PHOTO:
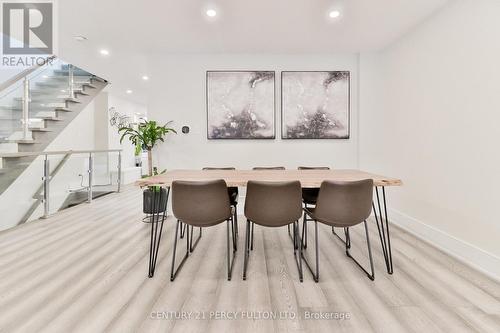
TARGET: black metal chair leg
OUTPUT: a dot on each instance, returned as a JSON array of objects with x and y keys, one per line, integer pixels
[
  {"x": 371, "y": 275},
  {"x": 191, "y": 246},
  {"x": 347, "y": 238},
  {"x": 183, "y": 230},
  {"x": 236, "y": 219},
  {"x": 173, "y": 271},
  {"x": 315, "y": 275},
  {"x": 230, "y": 262},
  {"x": 251, "y": 244},
  {"x": 298, "y": 256},
  {"x": 342, "y": 240},
  {"x": 247, "y": 250},
  {"x": 234, "y": 234},
  {"x": 293, "y": 237},
  {"x": 304, "y": 231}
]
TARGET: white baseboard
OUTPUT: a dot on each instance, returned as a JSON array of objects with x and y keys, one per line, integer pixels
[{"x": 469, "y": 254}]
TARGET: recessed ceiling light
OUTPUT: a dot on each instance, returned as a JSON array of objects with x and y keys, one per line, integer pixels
[
  {"x": 129, "y": 91},
  {"x": 211, "y": 13},
  {"x": 145, "y": 77},
  {"x": 334, "y": 14},
  {"x": 104, "y": 52},
  {"x": 80, "y": 38}
]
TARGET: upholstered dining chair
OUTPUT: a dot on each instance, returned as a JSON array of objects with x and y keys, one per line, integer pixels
[
  {"x": 273, "y": 204},
  {"x": 233, "y": 196},
  {"x": 201, "y": 204},
  {"x": 344, "y": 205},
  {"x": 264, "y": 169},
  {"x": 309, "y": 198}
]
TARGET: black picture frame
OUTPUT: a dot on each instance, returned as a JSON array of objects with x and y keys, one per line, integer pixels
[
  {"x": 207, "y": 72},
  {"x": 283, "y": 137}
]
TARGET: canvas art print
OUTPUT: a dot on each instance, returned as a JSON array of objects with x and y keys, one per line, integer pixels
[
  {"x": 240, "y": 105},
  {"x": 315, "y": 105}
]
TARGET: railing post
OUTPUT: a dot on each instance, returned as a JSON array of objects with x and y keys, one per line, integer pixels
[
  {"x": 26, "y": 109},
  {"x": 46, "y": 187},
  {"x": 71, "y": 82},
  {"x": 119, "y": 180},
  {"x": 91, "y": 174}
]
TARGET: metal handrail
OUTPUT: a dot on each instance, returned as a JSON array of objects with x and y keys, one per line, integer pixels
[
  {"x": 23, "y": 74},
  {"x": 57, "y": 152},
  {"x": 47, "y": 176}
]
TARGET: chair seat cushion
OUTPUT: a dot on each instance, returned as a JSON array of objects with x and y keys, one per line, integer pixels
[{"x": 310, "y": 195}]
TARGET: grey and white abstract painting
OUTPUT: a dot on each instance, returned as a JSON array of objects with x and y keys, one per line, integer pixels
[
  {"x": 315, "y": 105},
  {"x": 240, "y": 105}
]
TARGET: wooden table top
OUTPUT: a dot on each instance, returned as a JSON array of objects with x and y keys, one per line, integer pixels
[{"x": 307, "y": 178}]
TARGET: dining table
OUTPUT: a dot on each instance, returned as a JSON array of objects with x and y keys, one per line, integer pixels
[{"x": 240, "y": 178}]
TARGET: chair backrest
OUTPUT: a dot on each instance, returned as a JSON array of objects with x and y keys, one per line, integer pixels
[
  {"x": 269, "y": 168},
  {"x": 273, "y": 204},
  {"x": 224, "y": 168},
  {"x": 312, "y": 168},
  {"x": 344, "y": 203},
  {"x": 200, "y": 203}
]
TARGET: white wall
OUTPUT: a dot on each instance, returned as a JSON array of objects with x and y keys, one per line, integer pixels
[
  {"x": 430, "y": 115},
  {"x": 178, "y": 93},
  {"x": 129, "y": 108},
  {"x": 107, "y": 136}
]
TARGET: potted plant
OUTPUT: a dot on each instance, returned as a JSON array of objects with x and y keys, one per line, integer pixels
[
  {"x": 146, "y": 136},
  {"x": 158, "y": 206}
]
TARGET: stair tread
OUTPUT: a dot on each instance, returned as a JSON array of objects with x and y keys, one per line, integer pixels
[
  {"x": 65, "y": 78},
  {"x": 79, "y": 72},
  {"x": 62, "y": 109},
  {"x": 59, "y": 83},
  {"x": 44, "y": 99},
  {"x": 21, "y": 141},
  {"x": 39, "y": 129},
  {"x": 50, "y": 118}
]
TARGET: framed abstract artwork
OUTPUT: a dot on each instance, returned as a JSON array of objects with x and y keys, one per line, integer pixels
[
  {"x": 240, "y": 105},
  {"x": 315, "y": 105}
]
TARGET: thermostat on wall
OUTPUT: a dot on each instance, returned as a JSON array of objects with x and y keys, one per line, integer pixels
[{"x": 185, "y": 129}]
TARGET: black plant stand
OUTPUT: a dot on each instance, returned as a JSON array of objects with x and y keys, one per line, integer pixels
[{"x": 157, "y": 210}]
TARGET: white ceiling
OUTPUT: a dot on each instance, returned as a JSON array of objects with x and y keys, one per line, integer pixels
[{"x": 132, "y": 30}]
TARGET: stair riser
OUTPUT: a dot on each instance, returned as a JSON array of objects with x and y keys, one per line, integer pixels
[
  {"x": 16, "y": 162},
  {"x": 8, "y": 148}
]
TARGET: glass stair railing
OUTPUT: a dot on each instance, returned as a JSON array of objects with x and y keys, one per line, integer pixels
[
  {"x": 57, "y": 180},
  {"x": 35, "y": 106},
  {"x": 38, "y": 97}
]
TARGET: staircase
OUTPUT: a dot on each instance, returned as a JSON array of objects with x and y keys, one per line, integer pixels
[{"x": 56, "y": 95}]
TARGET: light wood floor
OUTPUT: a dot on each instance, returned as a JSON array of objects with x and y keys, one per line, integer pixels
[{"x": 85, "y": 270}]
